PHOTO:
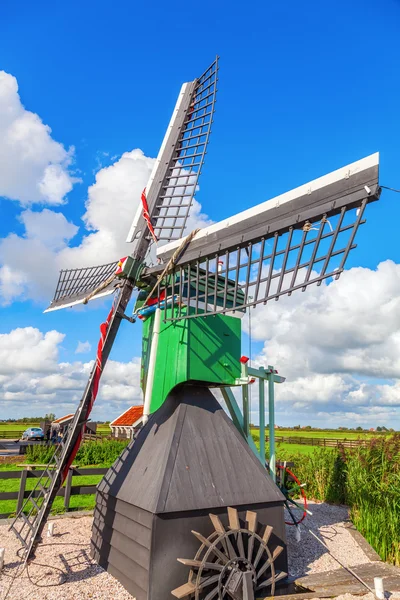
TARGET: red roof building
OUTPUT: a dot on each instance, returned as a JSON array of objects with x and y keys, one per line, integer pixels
[
  {"x": 62, "y": 419},
  {"x": 127, "y": 423}
]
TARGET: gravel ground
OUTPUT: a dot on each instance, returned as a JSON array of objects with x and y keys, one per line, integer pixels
[
  {"x": 328, "y": 522},
  {"x": 65, "y": 559}
]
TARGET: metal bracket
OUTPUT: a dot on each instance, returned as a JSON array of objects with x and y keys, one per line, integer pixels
[{"x": 126, "y": 318}]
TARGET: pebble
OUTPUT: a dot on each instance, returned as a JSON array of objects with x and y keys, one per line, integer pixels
[{"x": 63, "y": 569}]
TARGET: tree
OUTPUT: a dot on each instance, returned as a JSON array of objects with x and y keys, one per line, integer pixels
[
  {"x": 359, "y": 428},
  {"x": 49, "y": 417},
  {"x": 379, "y": 428}
]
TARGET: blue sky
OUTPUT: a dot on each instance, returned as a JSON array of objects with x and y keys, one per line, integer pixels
[{"x": 303, "y": 89}]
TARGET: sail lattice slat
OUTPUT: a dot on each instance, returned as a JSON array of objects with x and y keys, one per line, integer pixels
[
  {"x": 179, "y": 187},
  {"x": 260, "y": 272},
  {"x": 282, "y": 245},
  {"x": 76, "y": 284}
]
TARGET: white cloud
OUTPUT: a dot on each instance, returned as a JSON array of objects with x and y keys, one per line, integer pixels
[
  {"x": 31, "y": 262},
  {"x": 349, "y": 326},
  {"x": 34, "y": 168},
  {"x": 332, "y": 343},
  {"x": 50, "y": 228},
  {"x": 33, "y": 382},
  {"x": 26, "y": 350},
  {"x": 83, "y": 347}
]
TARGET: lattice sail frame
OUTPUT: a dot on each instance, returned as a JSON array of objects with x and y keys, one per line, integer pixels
[
  {"x": 284, "y": 244},
  {"x": 74, "y": 285},
  {"x": 180, "y": 185},
  {"x": 173, "y": 181},
  {"x": 170, "y": 190}
]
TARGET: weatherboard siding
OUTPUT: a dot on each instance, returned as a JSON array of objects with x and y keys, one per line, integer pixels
[{"x": 121, "y": 544}]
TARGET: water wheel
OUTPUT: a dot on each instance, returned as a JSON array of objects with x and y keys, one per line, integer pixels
[{"x": 232, "y": 564}]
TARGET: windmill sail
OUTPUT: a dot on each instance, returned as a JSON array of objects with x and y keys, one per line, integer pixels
[
  {"x": 285, "y": 244},
  {"x": 169, "y": 193},
  {"x": 180, "y": 159},
  {"x": 74, "y": 285}
]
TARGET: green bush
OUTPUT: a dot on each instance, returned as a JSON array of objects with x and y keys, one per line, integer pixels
[
  {"x": 99, "y": 453},
  {"x": 373, "y": 493},
  {"x": 324, "y": 472}
]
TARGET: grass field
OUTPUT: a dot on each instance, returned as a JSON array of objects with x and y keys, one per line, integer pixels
[
  {"x": 17, "y": 426},
  {"x": 323, "y": 433},
  {"x": 335, "y": 434}
]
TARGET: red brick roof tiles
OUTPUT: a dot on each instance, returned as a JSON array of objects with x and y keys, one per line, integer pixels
[{"x": 129, "y": 417}]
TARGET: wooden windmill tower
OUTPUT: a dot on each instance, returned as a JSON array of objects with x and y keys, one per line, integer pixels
[{"x": 190, "y": 468}]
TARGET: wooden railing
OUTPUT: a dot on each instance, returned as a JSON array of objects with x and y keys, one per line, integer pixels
[
  {"x": 11, "y": 435},
  {"x": 325, "y": 442},
  {"x": 16, "y": 435},
  {"x": 66, "y": 491}
]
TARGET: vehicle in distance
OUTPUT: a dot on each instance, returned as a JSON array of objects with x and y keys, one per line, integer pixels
[{"x": 33, "y": 433}]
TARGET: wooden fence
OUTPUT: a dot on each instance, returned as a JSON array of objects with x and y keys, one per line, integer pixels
[
  {"x": 16, "y": 435},
  {"x": 325, "y": 442},
  {"x": 66, "y": 491}
]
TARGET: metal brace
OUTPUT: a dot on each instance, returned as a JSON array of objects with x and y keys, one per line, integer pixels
[{"x": 126, "y": 318}]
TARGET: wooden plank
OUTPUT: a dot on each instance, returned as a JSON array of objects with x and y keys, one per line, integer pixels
[
  {"x": 133, "y": 588},
  {"x": 21, "y": 491},
  {"x": 77, "y": 490},
  {"x": 91, "y": 471},
  {"x": 216, "y": 521},
  {"x": 67, "y": 494},
  {"x": 233, "y": 517},
  {"x": 340, "y": 581},
  {"x": 251, "y": 518},
  {"x": 184, "y": 590},
  {"x": 10, "y": 474}
]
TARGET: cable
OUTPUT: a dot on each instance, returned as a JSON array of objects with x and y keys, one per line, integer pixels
[
  {"x": 386, "y": 187},
  {"x": 348, "y": 569},
  {"x": 17, "y": 574},
  {"x": 47, "y": 584}
]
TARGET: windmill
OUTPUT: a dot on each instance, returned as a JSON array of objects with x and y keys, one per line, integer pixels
[{"x": 192, "y": 287}]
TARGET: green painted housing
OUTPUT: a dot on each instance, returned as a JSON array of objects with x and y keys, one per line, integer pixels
[{"x": 204, "y": 349}]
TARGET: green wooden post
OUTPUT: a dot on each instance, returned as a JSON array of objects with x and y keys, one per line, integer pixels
[
  {"x": 245, "y": 397},
  {"x": 261, "y": 387},
  {"x": 271, "y": 410},
  {"x": 246, "y": 424}
]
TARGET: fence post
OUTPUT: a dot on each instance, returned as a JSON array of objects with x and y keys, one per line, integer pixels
[
  {"x": 21, "y": 491},
  {"x": 271, "y": 413},
  {"x": 261, "y": 387},
  {"x": 67, "y": 494}
]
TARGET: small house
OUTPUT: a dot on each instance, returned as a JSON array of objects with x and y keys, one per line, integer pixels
[
  {"x": 60, "y": 425},
  {"x": 127, "y": 423}
]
